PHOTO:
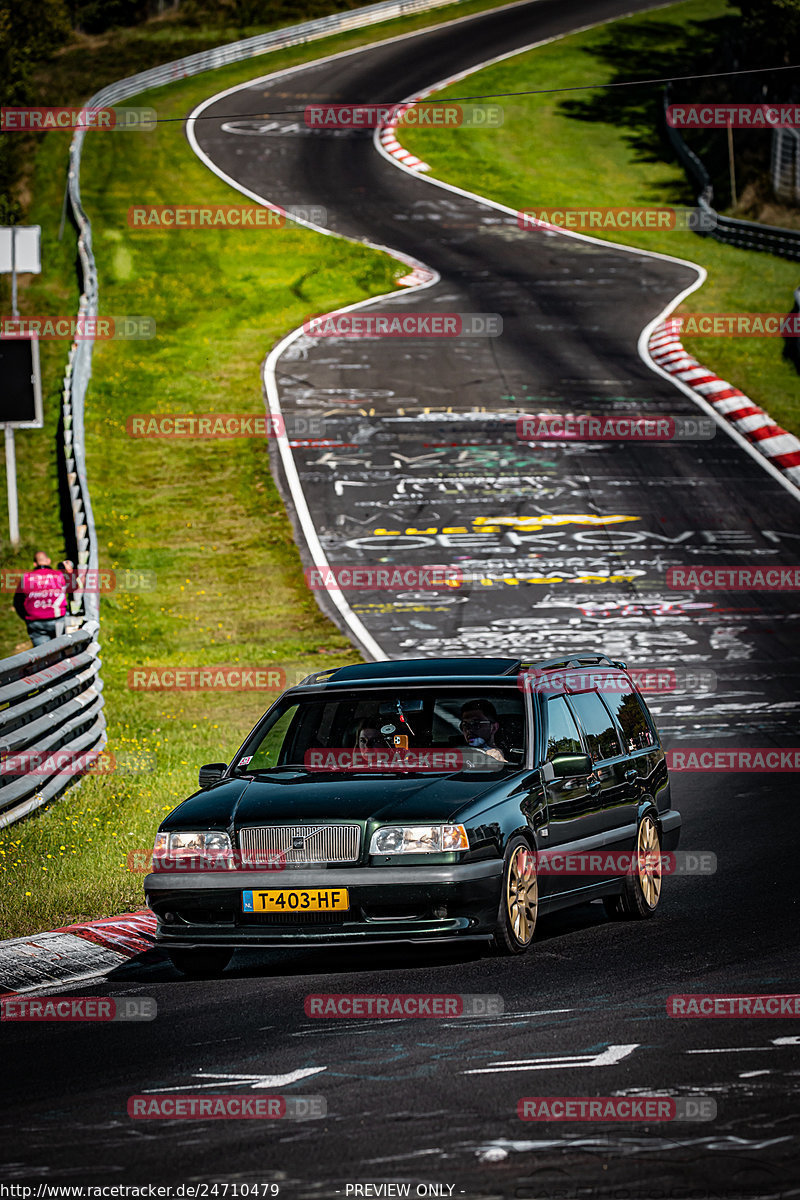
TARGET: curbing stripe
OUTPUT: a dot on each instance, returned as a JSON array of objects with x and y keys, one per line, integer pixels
[
  {"x": 781, "y": 448},
  {"x": 716, "y": 386},
  {"x": 74, "y": 952}
]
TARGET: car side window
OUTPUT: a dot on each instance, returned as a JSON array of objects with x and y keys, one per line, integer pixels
[
  {"x": 562, "y": 732},
  {"x": 597, "y": 724},
  {"x": 629, "y": 711}
]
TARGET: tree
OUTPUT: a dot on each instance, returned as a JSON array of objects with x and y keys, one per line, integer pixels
[
  {"x": 771, "y": 31},
  {"x": 29, "y": 34}
]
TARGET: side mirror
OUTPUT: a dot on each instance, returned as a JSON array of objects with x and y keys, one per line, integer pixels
[
  {"x": 567, "y": 766},
  {"x": 211, "y": 773}
]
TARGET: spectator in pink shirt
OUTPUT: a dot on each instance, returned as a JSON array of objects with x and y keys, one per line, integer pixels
[{"x": 41, "y": 600}]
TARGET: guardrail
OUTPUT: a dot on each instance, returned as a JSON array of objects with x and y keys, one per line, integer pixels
[
  {"x": 750, "y": 235},
  {"x": 50, "y": 701},
  {"x": 747, "y": 235},
  {"x": 76, "y": 380},
  {"x": 785, "y": 164},
  {"x": 261, "y": 43}
]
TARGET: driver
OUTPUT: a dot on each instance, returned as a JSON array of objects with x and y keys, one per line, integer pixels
[{"x": 479, "y": 725}]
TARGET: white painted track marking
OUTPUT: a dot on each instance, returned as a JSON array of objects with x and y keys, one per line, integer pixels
[{"x": 606, "y": 1058}]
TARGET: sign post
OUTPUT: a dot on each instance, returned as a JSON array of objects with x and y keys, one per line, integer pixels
[
  {"x": 19, "y": 251},
  {"x": 11, "y": 481}
]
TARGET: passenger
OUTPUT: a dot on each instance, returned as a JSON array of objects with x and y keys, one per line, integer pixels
[
  {"x": 369, "y": 736},
  {"x": 479, "y": 725}
]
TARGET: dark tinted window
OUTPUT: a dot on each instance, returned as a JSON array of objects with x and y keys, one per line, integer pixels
[
  {"x": 490, "y": 720},
  {"x": 597, "y": 725},
  {"x": 562, "y": 732},
  {"x": 628, "y": 710}
]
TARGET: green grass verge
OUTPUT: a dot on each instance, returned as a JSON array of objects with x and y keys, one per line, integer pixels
[
  {"x": 205, "y": 516},
  {"x": 592, "y": 148}
]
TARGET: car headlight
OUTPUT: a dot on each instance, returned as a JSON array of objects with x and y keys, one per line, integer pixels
[
  {"x": 418, "y": 839},
  {"x": 195, "y": 851}
]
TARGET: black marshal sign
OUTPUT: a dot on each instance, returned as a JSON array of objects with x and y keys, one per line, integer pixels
[{"x": 20, "y": 386}]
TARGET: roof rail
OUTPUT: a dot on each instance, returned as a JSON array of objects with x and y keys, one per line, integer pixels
[
  {"x": 315, "y": 678},
  {"x": 584, "y": 658}
]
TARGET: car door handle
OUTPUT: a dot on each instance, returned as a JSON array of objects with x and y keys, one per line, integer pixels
[
  {"x": 631, "y": 776},
  {"x": 593, "y": 785}
]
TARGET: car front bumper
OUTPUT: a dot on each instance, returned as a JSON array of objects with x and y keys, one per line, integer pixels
[{"x": 387, "y": 904}]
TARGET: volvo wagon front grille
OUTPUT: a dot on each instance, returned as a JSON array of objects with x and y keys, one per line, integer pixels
[{"x": 300, "y": 844}]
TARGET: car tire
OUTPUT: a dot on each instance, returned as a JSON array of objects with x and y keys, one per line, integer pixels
[
  {"x": 519, "y": 900},
  {"x": 641, "y": 890},
  {"x": 200, "y": 964}
]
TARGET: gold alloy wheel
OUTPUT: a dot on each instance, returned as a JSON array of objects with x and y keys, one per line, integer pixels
[
  {"x": 649, "y": 861},
  {"x": 522, "y": 894}
]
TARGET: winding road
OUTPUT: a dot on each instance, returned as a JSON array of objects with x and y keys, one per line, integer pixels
[{"x": 432, "y": 473}]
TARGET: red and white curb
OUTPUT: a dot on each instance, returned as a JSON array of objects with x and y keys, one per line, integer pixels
[
  {"x": 765, "y": 435},
  {"x": 388, "y": 137},
  {"x": 73, "y": 953},
  {"x": 417, "y": 276}
]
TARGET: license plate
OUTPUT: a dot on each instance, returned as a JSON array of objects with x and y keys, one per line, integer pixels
[{"x": 286, "y": 900}]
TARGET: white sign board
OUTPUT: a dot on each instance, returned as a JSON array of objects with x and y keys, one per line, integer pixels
[{"x": 27, "y": 253}]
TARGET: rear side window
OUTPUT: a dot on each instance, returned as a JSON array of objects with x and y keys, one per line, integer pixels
[
  {"x": 562, "y": 732},
  {"x": 598, "y": 725},
  {"x": 629, "y": 711}
]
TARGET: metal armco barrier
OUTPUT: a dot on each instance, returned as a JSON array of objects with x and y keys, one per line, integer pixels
[
  {"x": 785, "y": 164},
  {"x": 747, "y": 235},
  {"x": 50, "y": 700},
  {"x": 261, "y": 43}
]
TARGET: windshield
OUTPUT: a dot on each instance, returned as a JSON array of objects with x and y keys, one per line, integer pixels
[{"x": 419, "y": 728}]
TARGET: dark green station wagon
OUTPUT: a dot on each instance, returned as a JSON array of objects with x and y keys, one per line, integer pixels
[{"x": 420, "y": 801}]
